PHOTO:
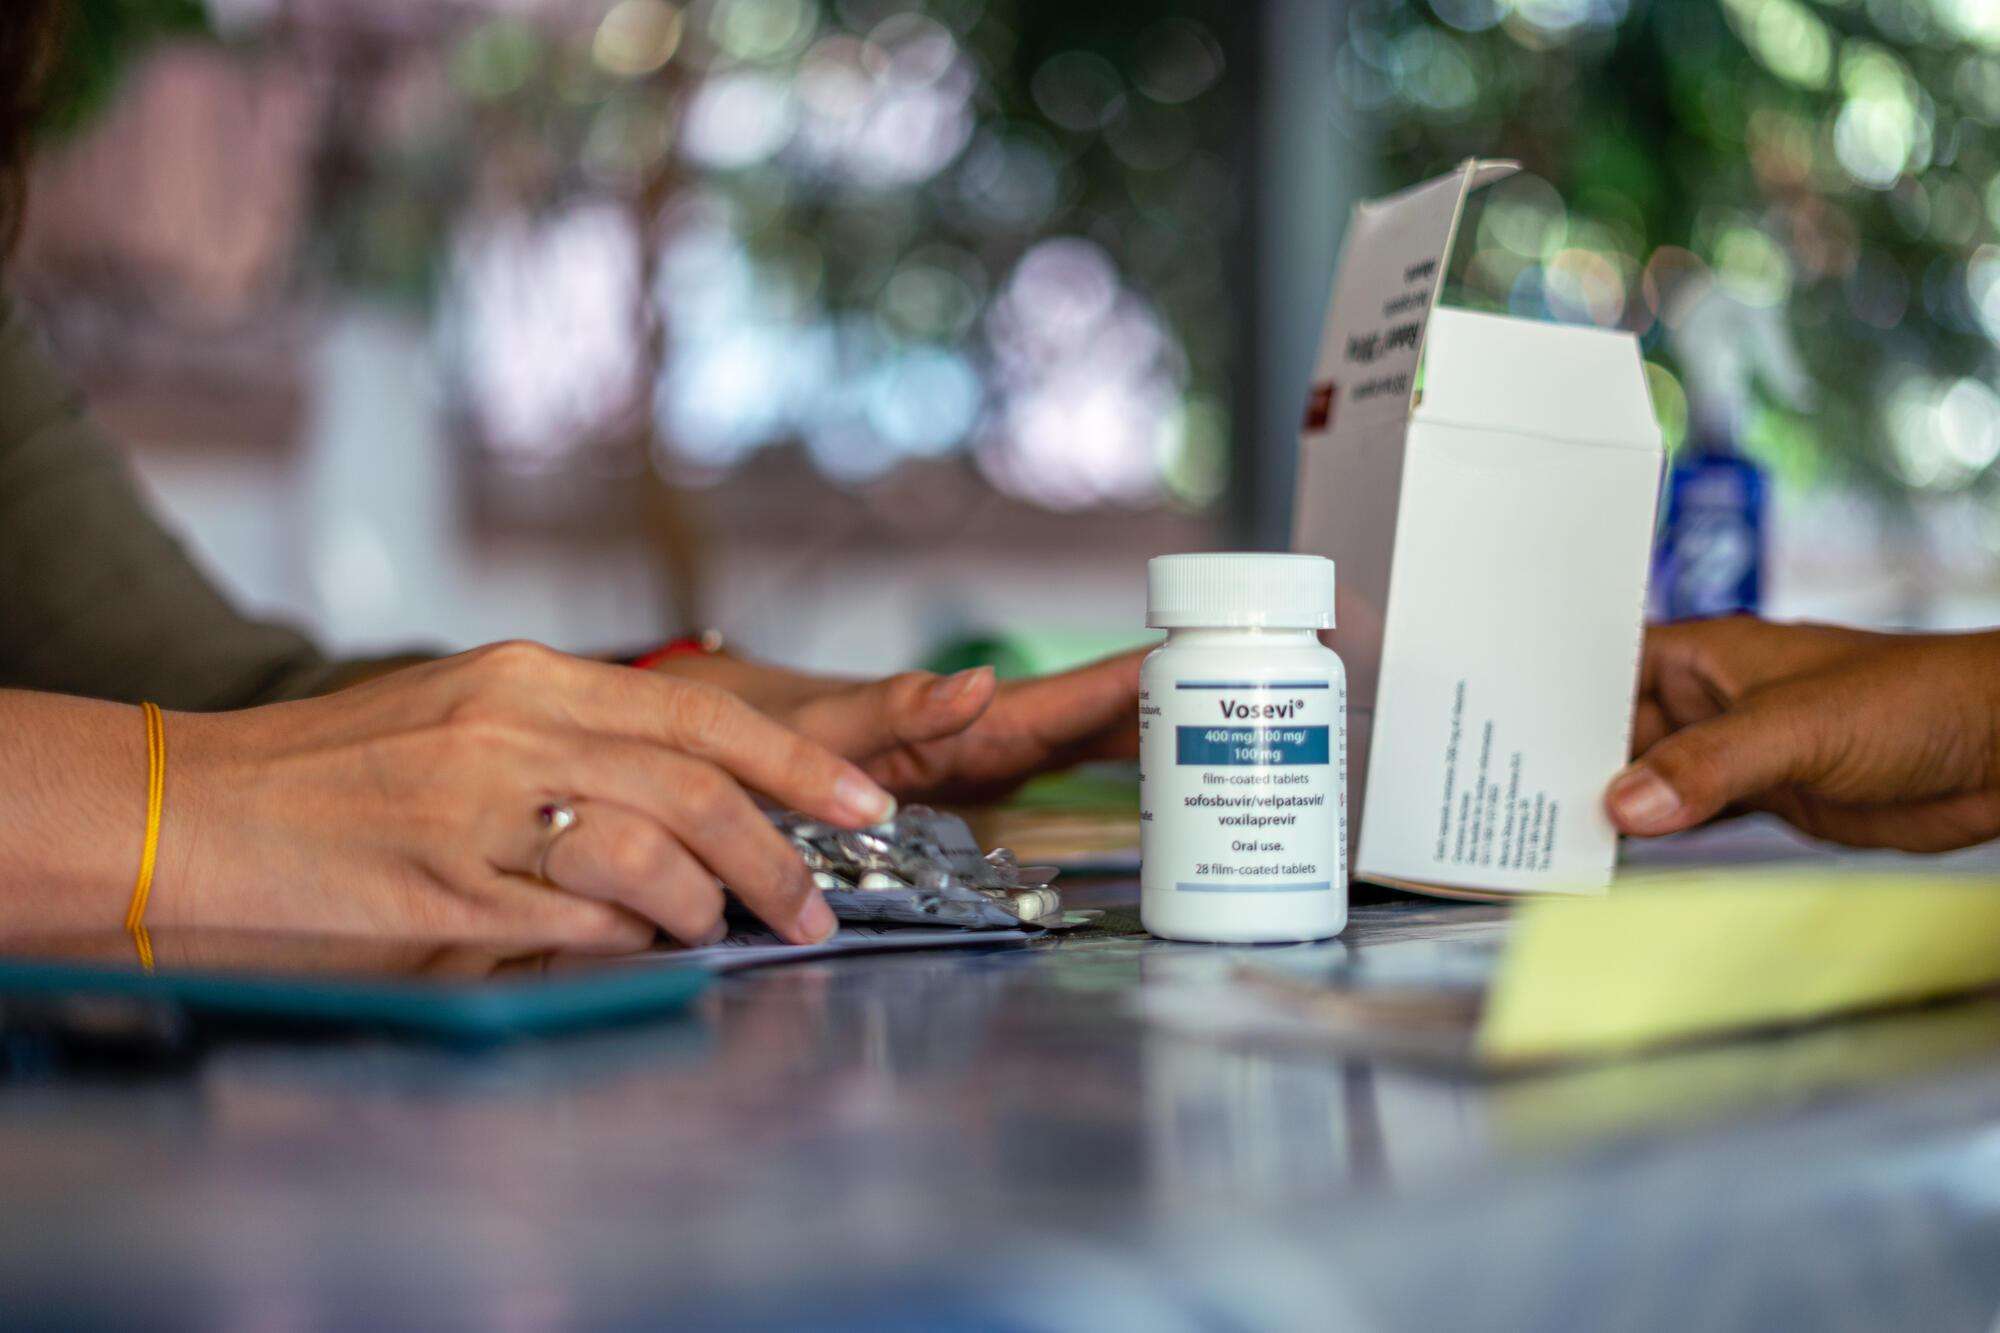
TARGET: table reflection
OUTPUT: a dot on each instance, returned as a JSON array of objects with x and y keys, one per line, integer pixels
[{"x": 276, "y": 954}]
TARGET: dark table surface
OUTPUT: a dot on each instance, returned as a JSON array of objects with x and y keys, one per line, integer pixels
[{"x": 1066, "y": 1135}]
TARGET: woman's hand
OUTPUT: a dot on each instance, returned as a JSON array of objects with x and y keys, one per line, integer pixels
[
  {"x": 406, "y": 809},
  {"x": 965, "y": 737},
  {"x": 1876, "y": 740}
]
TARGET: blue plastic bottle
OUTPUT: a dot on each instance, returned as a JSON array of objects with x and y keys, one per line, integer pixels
[{"x": 1710, "y": 560}]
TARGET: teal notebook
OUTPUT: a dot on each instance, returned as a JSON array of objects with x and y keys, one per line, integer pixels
[{"x": 462, "y": 1012}]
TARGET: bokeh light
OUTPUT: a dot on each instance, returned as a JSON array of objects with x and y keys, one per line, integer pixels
[
  {"x": 1090, "y": 398},
  {"x": 538, "y": 321},
  {"x": 637, "y": 37},
  {"x": 738, "y": 119},
  {"x": 1178, "y": 61}
]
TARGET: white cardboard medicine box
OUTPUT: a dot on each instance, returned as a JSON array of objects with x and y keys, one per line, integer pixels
[{"x": 1486, "y": 486}]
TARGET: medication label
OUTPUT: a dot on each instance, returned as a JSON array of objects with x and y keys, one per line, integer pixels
[{"x": 1243, "y": 789}]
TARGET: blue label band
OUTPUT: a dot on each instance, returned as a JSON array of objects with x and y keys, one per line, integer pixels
[
  {"x": 1264, "y": 747},
  {"x": 1251, "y": 685},
  {"x": 1198, "y": 886}
]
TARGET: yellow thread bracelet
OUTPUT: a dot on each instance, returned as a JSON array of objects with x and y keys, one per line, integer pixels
[{"x": 156, "y": 791}]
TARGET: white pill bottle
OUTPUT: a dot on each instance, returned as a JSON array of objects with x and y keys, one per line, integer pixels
[{"x": 1242, "y": 752}]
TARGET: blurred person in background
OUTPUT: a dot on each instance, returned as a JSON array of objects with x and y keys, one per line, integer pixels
[{"x": 412, "y": 799}]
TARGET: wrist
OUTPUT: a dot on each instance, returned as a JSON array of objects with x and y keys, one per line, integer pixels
[
  {"x": 705, "y": 658},
  {"x": 76, "y": 822},
  {"x": 187, "y": 875}
]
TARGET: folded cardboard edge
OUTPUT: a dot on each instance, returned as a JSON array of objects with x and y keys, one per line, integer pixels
[
  {"x": 1551, "y": 381},
  {"x": 1471, "y": 894}
]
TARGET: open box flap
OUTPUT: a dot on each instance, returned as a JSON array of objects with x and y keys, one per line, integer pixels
[
  {"x": 1559, "y": 381},
  {"x": 1392, "y": 267}
]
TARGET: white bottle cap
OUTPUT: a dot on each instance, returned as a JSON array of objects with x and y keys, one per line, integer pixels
[{"x": 1239, "y": 590}]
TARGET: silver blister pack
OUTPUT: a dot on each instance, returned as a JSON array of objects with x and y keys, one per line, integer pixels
[{"x": 921, "y": 868}]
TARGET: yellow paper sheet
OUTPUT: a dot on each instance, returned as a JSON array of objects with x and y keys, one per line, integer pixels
[
  {"x": 1666, "y": 958},
  {"x": 1726, "y": 1080}
]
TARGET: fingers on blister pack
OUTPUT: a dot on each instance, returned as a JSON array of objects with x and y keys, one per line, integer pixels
[{"x": 922, "y": 868}]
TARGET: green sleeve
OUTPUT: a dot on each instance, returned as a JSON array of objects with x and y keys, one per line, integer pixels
[{"x": 95, "y": 597}]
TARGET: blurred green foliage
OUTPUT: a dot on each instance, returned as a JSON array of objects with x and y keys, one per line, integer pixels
[
  {"x": 883, "y": 171},
  {"x": 101, "y": 39},
  {"x": 1828, "y": 168},
  {"x": 1111, "y": 122}
]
